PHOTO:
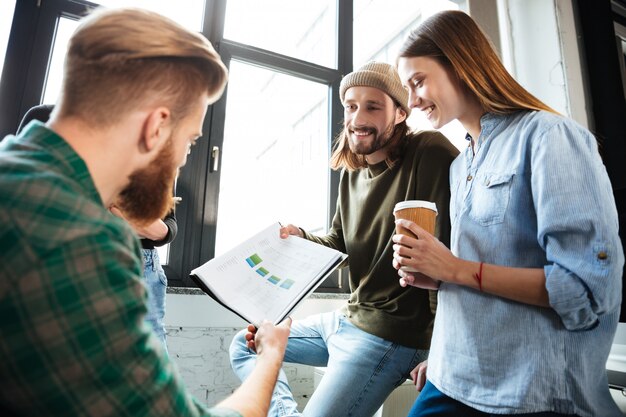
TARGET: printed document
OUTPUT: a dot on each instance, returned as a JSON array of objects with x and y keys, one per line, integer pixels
[{"x": 266, "y": 276}]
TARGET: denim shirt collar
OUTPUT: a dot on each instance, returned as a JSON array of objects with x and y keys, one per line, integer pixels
[{"x": 488, "y": 123}]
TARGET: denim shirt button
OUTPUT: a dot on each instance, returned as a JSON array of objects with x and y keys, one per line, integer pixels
[
  {"x": 469, "y": 177},
  {"x": 602, "y": 255}
]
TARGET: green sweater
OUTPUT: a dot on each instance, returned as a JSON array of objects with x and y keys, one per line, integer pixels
[{"x": 364, "y": 224}]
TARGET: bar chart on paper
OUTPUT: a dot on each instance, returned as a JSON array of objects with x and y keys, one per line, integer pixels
[{"x": 265, "y": 277}]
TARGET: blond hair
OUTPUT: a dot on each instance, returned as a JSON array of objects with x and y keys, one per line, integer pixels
[
  {"x": 455, "y": 41},
  {"x": 121, "y": 59}
]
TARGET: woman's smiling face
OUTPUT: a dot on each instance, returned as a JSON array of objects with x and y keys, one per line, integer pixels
[{"x": 432, "y": 88}]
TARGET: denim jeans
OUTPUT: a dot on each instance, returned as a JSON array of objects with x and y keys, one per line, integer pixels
[
  {"x": 362, "y": 369},
  {"x": 433, "y": 403},
  {"x": 156, "y": 281}
]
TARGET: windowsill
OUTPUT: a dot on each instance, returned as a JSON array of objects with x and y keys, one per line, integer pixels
[
  {"x": 315, "y": 295},
  {"x": 191, "y": 307}
]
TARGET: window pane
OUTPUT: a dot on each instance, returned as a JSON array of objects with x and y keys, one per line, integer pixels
[
  {"x": 164, "y": 254},
  {"x": 6, "y": 18},
  {"x": 54, "y": 76},
  {"x": 392, "y": 25},
  {"x": 300, "y": 29},
  {"x": 275, "y": 154},
  {"x": 189, "y": 13}
]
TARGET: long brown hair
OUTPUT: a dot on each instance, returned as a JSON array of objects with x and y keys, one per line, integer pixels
[
  {"x": 119, "y": 60},
  {"x": 343, "y": 157},
  {"x": 455, "y": 41}
]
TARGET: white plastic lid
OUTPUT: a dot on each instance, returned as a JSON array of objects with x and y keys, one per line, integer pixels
[{"x": 415, "y": 203}]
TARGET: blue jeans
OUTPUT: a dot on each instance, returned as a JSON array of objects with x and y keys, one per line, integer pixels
[
  {"x": 156, "y": 281},
  {"x": 362, "y": 369},
  {"x": 433, "y": 403}
]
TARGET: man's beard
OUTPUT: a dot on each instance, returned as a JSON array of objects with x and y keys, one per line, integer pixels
[
  {"x": 148, "y": 196},
  {"x": 380, "y": 141}
]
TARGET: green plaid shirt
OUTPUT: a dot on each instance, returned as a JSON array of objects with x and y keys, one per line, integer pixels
[{"x": 72, "y": 303}]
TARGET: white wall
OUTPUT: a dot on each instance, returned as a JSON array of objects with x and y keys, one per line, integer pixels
[{"x": 540, "y": 48}]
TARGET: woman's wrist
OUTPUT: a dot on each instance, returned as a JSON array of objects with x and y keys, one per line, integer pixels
[{"x": 468, "y": 273}]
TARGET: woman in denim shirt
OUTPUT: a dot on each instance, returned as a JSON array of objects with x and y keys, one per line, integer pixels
[{"x": 530, "y": 292}]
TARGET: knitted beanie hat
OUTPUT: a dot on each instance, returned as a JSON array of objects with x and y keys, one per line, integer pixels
[{"x": 378, "y": 75}]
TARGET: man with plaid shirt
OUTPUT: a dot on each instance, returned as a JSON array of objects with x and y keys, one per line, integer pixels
[{"x": 72, "y": 302}]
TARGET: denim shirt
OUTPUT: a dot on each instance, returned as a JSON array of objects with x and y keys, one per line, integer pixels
[{"x": 535, "y": 195}]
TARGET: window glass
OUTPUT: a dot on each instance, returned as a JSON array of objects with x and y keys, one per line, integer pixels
[
  {"x": 302, "y": 29},
  {"x": 6, "y": 18},
  {"x": 393, "y": 24},
  {"x": 392, "y": 21},
  {"x": 275, "y": 154},
  {"x": 164, "y": 254},
  {"x": 620, "y": 38},
  {"x": 54, "y": 76},
  {"x": 189, "y": 14}
]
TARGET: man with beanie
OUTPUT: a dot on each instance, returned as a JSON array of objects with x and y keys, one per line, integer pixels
[{"x": 373, "y": 343}]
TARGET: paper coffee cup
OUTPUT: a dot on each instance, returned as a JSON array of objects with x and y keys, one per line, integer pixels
[{"x": 420, "y": 212}]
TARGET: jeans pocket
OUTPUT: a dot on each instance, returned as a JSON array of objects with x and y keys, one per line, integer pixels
[
  {"x": 490, "y": 198},
  {"x": 420, "y": 356}
]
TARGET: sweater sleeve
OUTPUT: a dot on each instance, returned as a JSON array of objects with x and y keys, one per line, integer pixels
[
  {"x": 172, "y": 230},
  {"x": 334, "y": 238},
  {"x": 432, "y": 167}
]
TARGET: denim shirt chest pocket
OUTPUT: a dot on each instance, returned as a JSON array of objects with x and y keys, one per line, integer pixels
[{"x": 490, "y": 195}]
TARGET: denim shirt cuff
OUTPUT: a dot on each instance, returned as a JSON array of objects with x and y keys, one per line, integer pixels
[{"x": 569, "y": 298}]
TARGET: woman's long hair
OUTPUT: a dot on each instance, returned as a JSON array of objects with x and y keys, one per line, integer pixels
[{"x": 456, "y": 42}]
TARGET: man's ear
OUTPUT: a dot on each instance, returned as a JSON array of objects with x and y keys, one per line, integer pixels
[
  {"x": 400, "y": 115},
  {"x": 156, "y": 128}
]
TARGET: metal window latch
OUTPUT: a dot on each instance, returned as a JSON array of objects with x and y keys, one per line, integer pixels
[{"x": 215, "y": 158}]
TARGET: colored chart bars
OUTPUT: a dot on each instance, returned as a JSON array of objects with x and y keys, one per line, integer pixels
[{"x": 254, "y": 261}]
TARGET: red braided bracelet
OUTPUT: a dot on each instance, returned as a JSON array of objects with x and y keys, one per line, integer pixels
[{"x": 479, "y": 277}]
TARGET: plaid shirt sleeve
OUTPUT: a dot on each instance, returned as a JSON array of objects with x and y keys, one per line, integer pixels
[
  {"x": 72, "y": 303},
  {"x": 73, "y": 338}
]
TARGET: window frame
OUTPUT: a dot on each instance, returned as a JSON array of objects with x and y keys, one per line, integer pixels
[{"x": 24, "y": 79}]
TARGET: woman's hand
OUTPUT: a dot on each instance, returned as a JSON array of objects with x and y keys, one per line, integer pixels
[
  {"x": 416, "y": 279},
  {"x": 418, "y": 375},
  {"x": 422, "y": 262}
]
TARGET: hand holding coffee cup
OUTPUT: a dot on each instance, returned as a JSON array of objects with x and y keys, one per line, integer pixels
[{"x": 420, "y": 212}]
